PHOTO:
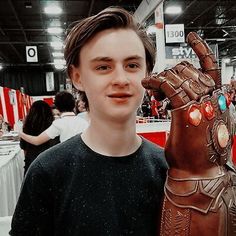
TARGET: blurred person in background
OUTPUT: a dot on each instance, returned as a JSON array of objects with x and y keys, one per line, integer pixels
[
  {"x": 55, "y": 112},
  {"x": 81, "y": 107},
  {"x": 39, "y": 118},
  {"x": 65, "y": 127}
]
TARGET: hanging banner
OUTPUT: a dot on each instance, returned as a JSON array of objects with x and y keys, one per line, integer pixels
[
  {"x": 31, "y": 54},
  {"x": 50, "y": 81}
]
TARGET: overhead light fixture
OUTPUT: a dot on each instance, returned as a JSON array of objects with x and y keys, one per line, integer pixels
[
  {"x": 55, "y": 23},
  {"x": 173, "y": 10},
  {"x": 59, "y": 66},
  {"x": 57, "y": 54},
  {"x": 59, "y": 62},
  {"x": 220, "y": 40},
  {"x": 53, "y": 10},
  {"x": 1, "y": 67},
  {"x": 57, "y": 44},
  {"x": 54, "y": 30},
  {"x": 28, "y": 4}
]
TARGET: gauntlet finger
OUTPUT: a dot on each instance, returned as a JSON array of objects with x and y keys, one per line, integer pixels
[
  {"x": 206, "y": 57},
  {"x": 170, "y": 84},
  {"x": 188, "y": 71}
]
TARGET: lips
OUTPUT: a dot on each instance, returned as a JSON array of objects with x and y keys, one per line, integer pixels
[{"x": 120, "y": 95}]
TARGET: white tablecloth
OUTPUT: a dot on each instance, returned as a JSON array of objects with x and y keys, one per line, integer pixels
[{"x": 11, "y": 176}]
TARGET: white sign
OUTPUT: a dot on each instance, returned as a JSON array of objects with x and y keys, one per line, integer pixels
[
  {"x": 50, "y": 81},
  {"x": 31, "y": 54},
  {"x": 174, "y": 33}
]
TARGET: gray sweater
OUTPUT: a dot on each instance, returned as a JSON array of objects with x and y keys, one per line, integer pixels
[{"x": 72, "y": 190}]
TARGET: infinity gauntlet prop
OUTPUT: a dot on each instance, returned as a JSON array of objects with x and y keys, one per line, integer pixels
[{"x": 200, "y": 190}]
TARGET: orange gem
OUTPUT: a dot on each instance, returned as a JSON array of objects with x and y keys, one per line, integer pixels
[
  {"x": 208, "y": 110},
  {"x": 195, "y": 115}
]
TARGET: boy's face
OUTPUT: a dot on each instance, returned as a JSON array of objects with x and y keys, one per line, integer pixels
[{"x": 112, "y": 65}]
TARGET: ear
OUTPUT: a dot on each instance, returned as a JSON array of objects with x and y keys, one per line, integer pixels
[{"x": 74, "y": 74}]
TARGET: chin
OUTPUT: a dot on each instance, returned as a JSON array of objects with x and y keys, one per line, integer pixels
[{"x": 123, "y": 114}]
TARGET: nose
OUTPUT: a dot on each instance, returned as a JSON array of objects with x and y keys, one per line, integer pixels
[{"x": 120, "y": 77}]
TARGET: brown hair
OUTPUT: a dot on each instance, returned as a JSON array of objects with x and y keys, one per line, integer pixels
[{"x": 109, "y": 18}]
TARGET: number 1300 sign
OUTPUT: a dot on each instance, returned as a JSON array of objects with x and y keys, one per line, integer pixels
[{"x": 174, "y": 33}]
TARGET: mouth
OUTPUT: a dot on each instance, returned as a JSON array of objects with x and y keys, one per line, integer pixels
[
  {"x": 120, "y": 95},
  {"x": 120, "y": 98}
]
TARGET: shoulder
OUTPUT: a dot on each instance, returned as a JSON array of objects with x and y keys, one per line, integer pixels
[
  {"x": 81, "y": 120},
  {"x": 151, "y": 147},
  {"x": 154, "y": 153},
  {"x": 60, "y": 154}
]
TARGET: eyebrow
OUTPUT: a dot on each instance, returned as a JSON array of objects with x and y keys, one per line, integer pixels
[{"x": 133, "y": 57}]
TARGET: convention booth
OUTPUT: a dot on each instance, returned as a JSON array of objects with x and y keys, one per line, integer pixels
[{"x": 14, "y": 105}]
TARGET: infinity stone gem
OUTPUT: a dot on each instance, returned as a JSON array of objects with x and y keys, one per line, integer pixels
[
  {"x": 208, "y": 110},
  {"x": 222, "y": 135},
  {"x": 195, "y": 115},
  {"x": 222, "y": 102}
]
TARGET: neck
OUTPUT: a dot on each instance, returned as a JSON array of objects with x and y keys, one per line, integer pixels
[{"x": 112, "y": 139}]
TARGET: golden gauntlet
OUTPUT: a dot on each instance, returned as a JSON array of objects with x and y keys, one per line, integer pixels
[{"x": 200, "y": 190}]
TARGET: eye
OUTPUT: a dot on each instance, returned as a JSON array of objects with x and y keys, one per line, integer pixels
[
  {"x": 133, "y": 65},
  {"x": 103, "y": 67}
]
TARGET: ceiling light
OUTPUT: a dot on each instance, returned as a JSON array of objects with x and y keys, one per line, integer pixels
[
  {"x": 55, "y": 23},
  {"x": 59, "y": 66},
  {"x": 1, "y": 67},
  {"x": 173, "y": 10},
  {"x": 57, "y": 44},
  {"x": 57, "y": 54},
  {"x": 54, "y": 30},
  {"x": 59, "y": 61},
  {"x": 28, "y": 4},
  {"x": 220, "y": 40},
  {"x": 53, "y": 10}
]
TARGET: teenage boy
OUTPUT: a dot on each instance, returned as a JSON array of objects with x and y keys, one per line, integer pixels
[{"x": 108, "y": 180}]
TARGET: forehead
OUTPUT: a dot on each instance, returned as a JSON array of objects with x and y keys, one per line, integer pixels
[{"x": 113, "y": 43}]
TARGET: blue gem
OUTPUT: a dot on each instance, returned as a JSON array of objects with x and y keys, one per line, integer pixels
[{"x": 222, "y": 102}]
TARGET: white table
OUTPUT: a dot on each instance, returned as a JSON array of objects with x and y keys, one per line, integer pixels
[{"x": 11, "y": 176}]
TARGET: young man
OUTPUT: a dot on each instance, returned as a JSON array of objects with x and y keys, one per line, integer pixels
[
  {"x": 107, "y": 181},
  {"x": 66, "y": 127}
]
